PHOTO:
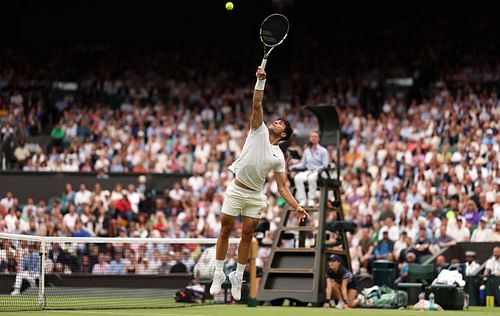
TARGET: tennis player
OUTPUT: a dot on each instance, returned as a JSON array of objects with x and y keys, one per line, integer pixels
[{"x": 244, "y": 196}]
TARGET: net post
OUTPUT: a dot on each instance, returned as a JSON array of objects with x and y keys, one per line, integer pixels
[
  {"x": 41, "y": 280},
  {"x": 252, "y": 297}
]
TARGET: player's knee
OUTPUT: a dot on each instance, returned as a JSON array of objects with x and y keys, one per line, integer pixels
[
  {"x": 247, "y": 234},
  {"x": 225, "y": 231}
]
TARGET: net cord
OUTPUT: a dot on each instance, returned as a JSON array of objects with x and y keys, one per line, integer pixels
[{"x": 105, "y": 240}]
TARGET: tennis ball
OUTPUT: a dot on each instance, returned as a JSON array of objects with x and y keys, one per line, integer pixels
[{"x": 229, "y": 5}]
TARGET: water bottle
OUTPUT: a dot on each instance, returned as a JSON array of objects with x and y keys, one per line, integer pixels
[
  {"x": 421, "y": 301},
  {"x": 431, "y": 302},
  {"x": 482, "y": 294}
]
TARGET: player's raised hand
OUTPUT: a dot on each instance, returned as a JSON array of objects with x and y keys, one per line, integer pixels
[{"x": 261, "y": 74}]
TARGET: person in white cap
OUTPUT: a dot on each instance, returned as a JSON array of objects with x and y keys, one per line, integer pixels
[{"x": 482, "y": 233}]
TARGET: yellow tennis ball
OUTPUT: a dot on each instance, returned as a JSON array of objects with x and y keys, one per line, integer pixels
[{"x": 229, "y": 5}]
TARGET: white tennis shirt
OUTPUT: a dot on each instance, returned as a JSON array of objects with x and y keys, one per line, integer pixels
[{"x": 258, "y": 157}]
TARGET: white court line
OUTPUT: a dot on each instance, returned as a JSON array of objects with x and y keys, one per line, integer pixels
[{"x": 122, "y": 312}]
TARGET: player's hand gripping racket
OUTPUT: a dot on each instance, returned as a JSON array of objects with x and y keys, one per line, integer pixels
[{"x": 273, "y": 32}]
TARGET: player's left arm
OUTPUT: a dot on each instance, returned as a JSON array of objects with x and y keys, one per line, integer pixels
[{"x": 281, "y": 180}]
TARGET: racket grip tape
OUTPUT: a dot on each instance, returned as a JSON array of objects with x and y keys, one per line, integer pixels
[{"x": 263, "y": 64}]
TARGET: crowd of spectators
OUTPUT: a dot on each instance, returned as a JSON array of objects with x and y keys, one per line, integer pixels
[{"x": 418, "y": 177}]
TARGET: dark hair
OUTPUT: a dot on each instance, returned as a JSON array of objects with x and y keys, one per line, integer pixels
[{"x": 288, "y": 129}]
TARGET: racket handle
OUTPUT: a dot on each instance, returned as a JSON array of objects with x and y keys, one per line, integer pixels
[{"x": 263, "y": 64}]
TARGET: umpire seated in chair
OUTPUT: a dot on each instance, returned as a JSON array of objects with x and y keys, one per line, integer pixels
[{"x": 314, "y": 159}]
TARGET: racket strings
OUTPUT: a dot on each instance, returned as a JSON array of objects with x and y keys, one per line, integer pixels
[{"x": 274, "y": 30}]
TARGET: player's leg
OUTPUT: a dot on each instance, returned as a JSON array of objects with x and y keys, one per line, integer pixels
[
  {"x": 300, "y": 188},
  {"x": 236, "y": 277},
  {"x": 249, "y": 225},
  {"x": 312, "y": 181},
  {"x": 231, "y": 207},
  {"x": 227, "y": 223}
]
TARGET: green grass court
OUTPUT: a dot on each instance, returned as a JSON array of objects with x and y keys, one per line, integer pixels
[{"x": 242, "y": 310}]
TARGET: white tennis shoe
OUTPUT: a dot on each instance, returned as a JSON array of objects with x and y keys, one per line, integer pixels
[
  {"x": 235, "y": 285},
  {"x": 219, "y": 278}
]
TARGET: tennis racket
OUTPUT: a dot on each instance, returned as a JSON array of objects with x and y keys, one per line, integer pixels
[{"x": 273, "y": 32}]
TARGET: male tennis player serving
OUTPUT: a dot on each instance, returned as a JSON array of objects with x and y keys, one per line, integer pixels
[{"x": 244, "y": 196}]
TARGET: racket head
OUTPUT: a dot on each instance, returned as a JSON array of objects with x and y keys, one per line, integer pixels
[{"x": 274, "y": 30}]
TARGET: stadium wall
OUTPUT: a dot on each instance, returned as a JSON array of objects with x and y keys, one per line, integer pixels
[{"x": 44, "y": 185}]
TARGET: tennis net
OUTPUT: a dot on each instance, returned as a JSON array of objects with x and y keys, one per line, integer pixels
[{"x": 103, "y": 273}]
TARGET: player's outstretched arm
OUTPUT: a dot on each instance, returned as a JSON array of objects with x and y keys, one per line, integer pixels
[
  {"x": 281, "y": 180},
  {"x": 258, "y": 95}
]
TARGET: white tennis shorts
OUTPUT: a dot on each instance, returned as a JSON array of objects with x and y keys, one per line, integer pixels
[{"x": 238, "y": 200}]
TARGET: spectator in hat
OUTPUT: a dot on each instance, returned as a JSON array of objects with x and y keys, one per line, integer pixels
[
  {"x": 340, "y": 282},
  {"x": 482, "y": 232},
  {"x": 489, "y": 138},
  {"x": 471, "y": 265}
]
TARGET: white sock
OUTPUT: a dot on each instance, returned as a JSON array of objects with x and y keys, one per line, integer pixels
[
  {"x": 219, "y": 265},
  {"x": 240, "y": 269}
]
